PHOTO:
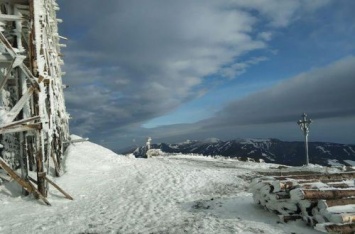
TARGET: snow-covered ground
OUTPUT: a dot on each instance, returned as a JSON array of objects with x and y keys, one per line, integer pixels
[{"x": 117, "y": 194}]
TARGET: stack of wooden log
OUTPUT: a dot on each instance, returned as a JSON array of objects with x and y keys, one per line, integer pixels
[{"x": 324, "y": 201}]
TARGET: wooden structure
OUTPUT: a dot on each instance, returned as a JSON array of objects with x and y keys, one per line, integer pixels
[
  {"x": 33, "y": 120},
  {"x": 325, "y": 201}
]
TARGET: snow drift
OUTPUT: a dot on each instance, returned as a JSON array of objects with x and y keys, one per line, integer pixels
[{"x": 117, "y": 194}]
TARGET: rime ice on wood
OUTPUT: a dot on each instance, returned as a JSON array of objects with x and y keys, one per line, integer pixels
[
  {"x": 316, "y": 198},
  {"x": 33, "y": 119}
]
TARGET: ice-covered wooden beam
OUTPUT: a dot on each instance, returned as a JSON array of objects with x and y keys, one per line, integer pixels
[
  {"x": 11, "y": 17},
  {"x": 313, "y": 194},
  {"x": 324, "y": 204},
  {"x": 325, "y": 177}
]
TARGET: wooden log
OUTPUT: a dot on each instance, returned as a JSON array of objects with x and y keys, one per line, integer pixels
[
  {"x": 283, "y": 185},
  {"x": 300, "y": 194},
  {"x": 289, "y": 173},
  {"x": 287, "y": 218},
  {"x": 336, "y": 176},
  {"x": 342, "y": 218},
  {"x": 324, "y": 204},
  {"x": 320, "y": 218},
  {"x": 341, "y": 228},
  {"x": 339, "y": 185}
]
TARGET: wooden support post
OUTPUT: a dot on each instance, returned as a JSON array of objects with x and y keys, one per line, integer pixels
[
  {"x": 25, "y": 184},
  {"x": 41, "y": 174},
  {"x": 59, "y": 189}
]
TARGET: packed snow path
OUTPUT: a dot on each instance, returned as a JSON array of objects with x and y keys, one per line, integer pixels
[{"x": 117, "y": 194}]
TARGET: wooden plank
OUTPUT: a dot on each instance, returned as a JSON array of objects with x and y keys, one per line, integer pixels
[
  {"x": 29, "y": 75},
  {"x": 7, "y": 45},
  {"x": 324, "y": 204},
  {"x": 6, "y": 76},
  {"x": 35, "y": 191},
  {"x": 4, "y": 17},
  {"x": 25, "y": 184},
  {"x": 343, "y": 218},
  {"x": 22, "y": 121},
  {"x": 341, "y": 228},
  {"x": 311, "y": 194},
  {"x": 4, "y": 176},
  {"x": 12, "y": 114},
  {"x": 21, "y": 128},
  {"x": 13, "y": 174},
  {"x": 287, "y": 218},
  {"x": 59, "y": 189},
  {"x": 23, "y": 67}
]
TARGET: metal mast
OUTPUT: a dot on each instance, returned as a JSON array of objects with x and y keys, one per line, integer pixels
[{"x": 304, "y": 125}]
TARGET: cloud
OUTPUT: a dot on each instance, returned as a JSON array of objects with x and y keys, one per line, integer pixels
[
  {"x": 322, "y": 93},
  {"x": 325, "y": 94},
  {"x": 131, "y": 61}
]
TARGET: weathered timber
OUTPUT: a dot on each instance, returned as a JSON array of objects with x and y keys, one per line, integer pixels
[
  {"x": 23, "y": 183},
  {"x": 289, "y": 173},
  {"x": 59, "y": 189},
  {"x": 78, "y": 140},
  {"x": 324, "y": 204},
  {"x": 38, "y": 194},
  {"x": 5, "y": 177},
  {"x": 311, "y": 194},
  {"x": 21, "y": 128},
  {"x": 31, "y": 85},
  {"x": 22, "y": 121},
  {"x": 4, "y": 17},
  {"x": 343, "y": 218},
  {"x": 10, "y": 116},
  {"x": 287, "y": 218},
  {"x": 333, "y": 176},
  {"x": 341, "y": 228},
  {"x": 284, "y": 185},
  {"x": 6, "y": 75},
  {"x": 342, "y": 185}
]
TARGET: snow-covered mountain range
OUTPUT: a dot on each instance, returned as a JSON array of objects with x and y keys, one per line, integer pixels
[{"x": 269, "y": 150}]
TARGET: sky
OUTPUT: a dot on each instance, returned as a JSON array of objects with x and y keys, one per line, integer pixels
[{"x": 193, "y": 69}]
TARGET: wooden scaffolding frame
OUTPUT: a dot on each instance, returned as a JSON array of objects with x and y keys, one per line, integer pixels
[{"x": 34, "y": 124}]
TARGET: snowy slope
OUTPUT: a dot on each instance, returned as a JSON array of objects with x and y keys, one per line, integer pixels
[{"x": 117, "y": 194}]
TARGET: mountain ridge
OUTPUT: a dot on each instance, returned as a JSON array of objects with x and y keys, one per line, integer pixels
[{"x": 269, "y": 150}]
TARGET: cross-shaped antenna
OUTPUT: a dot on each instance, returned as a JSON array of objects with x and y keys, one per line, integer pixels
[{"x": 304, "y": 125}]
